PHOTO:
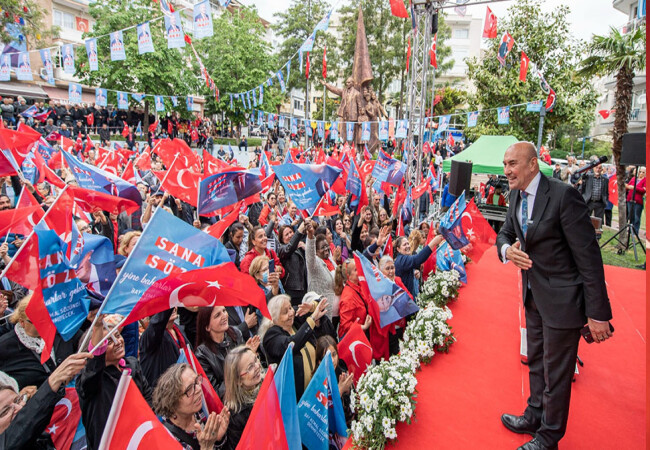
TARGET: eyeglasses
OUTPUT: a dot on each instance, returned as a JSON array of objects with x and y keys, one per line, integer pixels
[
  {"x": 251, "y": 367},
  {"x": 12, "y": 406},
  {"x": 192, "y": 388}
]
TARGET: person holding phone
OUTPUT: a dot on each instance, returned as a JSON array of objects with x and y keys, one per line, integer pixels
[{"x": 549, "y": 236}]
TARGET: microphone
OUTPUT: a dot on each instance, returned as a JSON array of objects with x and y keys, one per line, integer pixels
[{"x": 600, "y": 160}]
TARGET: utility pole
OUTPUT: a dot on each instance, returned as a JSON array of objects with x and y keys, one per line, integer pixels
[{"x": 307, "y": 124}]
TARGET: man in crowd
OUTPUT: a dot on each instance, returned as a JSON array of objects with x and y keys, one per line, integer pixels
[{"x": 594, "y": 191}]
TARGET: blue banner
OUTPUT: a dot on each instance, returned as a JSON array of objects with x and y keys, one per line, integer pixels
[
  {"x": 175, "y": 35},
  {"x": 74, "y": 93},
  {"x": 503, "y": 115},
  {"x": 24, "y": 68},
  {"x": 68, "y": 58},
  {"x": 383, "y": 130},
  {"x": 117, "y": 46},
  {"x": 5, "y": 67},
  {"x": 281, "y": 80},
  {"x": 122, "y": 100},
  {"x": 334, "y": 131},
  {"x": 189, "y": 103},
  {"x": 402, "y": 129},
  {"x": 320, "y": 128},
  {"x": 305, "y": 184},
  {"x": 261, "y": 94},
  {"x": 46, "y": 59},
  {"x": 91, "y": 52},
  {"x": 535, "y": 106},
  {"x": 225, "y": 189},
  {"x": 365, "y": 131},
  {"x": 294, "y": 125},
  {"x": 472, "y": 118},
  {"x": 159, "y": 102},
  {"x": 349, "y": 131},
  {"x": 100, "y": 97},
  {"x": 443, "y": 122},
  {"x": 202, "y": 20},
  {"x": 145, "y": 42},
  {"x": 174, "y": 101}
]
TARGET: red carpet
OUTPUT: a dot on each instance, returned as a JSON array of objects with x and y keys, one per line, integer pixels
[{"x": 462, "y": 395}]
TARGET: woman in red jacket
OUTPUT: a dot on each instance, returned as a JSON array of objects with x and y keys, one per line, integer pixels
[
  {"x": 257, "y": 243},
  {"x": 269, "y": 206}
]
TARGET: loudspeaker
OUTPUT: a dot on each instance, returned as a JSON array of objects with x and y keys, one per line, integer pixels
[
  {"x": 460, "y": 178},
  {"x": 434, "y": 24},
  {"x": 633, "y": 153}
]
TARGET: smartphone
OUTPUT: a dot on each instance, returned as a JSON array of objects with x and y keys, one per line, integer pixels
[
  {"x": 586, "y": 333},
  {"x": 271, "y": 265}
]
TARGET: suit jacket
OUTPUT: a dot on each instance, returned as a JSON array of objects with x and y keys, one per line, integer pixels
[
  {"x": 567, "y": 279},
  {"x": 588, "y": 187}
]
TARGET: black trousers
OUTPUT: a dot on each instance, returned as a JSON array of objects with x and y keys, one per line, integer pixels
[
  {"x": 552, "y": 357},
  {"x": 596, "y": 208}
]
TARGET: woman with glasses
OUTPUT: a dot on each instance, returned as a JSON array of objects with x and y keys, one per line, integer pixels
[
  {"x": 178, "y": 400},
  {"x": 243, "y": 380},
  {"x": 98, "y": 381}
]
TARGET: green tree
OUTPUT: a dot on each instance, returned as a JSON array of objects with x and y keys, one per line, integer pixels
[
  {"x": 32, "y": 14},
  {"x": 162, "y": 72},
  {"x": 239, "y": 59},
  {"x": 331, "y": 106},
  {"x": 621, "y": 55},
  {"x": 546, "y": 40}
]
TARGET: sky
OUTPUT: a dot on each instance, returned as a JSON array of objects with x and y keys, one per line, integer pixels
[{"x": 587, "y": 17}]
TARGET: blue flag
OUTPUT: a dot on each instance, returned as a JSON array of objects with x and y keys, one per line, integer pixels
[
  {"x": 5, "y": 67},
  {"x": 189, "y": 103},
  {"x": 91, "y": 52},
  {"x": 138, "y": 130},
  {"x": 443, "y": 122},
  {"x": 138, "y": 97},
  {"x": 45, "y": 150},
  {"x": 68, "y": 58},
  {"x": 167, "y": 246},
  {"x": 286, "y": 387},
  {"x": 354, "y": 186},
  {"x": 174, "y": 101},
  {"x": 74, "y": 93},
  {"x": 451, "y": 227},
  {"x": 225, "y": 189},
  {"x": 394, "y": 302},
  {"x": 30, "y": 171},
  {"x": 202, "y": 20},
  {"x": 145, "y": 42},
  {"x": 122, "y": 100},
  {"x": 175, "y": 35},
  {"x": 98, "y": 261},
  {"x": 30, "y": 112},
  {"x": 159, "y": 103},
  {"x": 349, "y": 131},
  {"x": 388, "y": 170},
  {"x": 46, "y": 59},
  {"x": 24, "y": 67},
  {"x": 320, "y": 410},
  {"x": 100, "y": 97},
  {"x": 503, "y": 115},
  {"x": 117, "y": 46},
  {"x": 305, "y": 184},
  {"x": 449, "y": 259},
  {"x": 535, "y": 106},
  {"x": 64, "y": 295},
  {"x": 472, "y": 118}
]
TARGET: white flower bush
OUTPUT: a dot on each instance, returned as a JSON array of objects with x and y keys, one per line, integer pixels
[{"x": 386, "y": 393}]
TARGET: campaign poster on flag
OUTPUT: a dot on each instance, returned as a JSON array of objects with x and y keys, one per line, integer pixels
[
  {"x": 46, "y": 59},
  {"x": 261, "y": 94},
  {"x": 202, "y": 20},
  {"x": 334, "y": 131},
  {"x": 122, "y": 100},
  {"x": 24, "y": 68},
  {"x": 504, "y": 48},
  {"x": 67, "y": 52},
  {"x": 365, "y": 131},
  {"x": 535, "y": 106},
  {"x": 443, "y": 123},
  {"x": 138, "y": 97},
  {"x": 383, "y": 130},
  {"x": 349, "y": 131},
  {"x": 320, "y": 128},
  {"x": 5, "y": 67},
  {"x": 472, "y": 118},
  {"x": 175, "y": 35},
  {"x": 294, "y": 125},
  {"x": 117, "y": 46},
  {"x": 145, "y": 43},
  {"x": 260, "y": 118},
  {"x": 225, "y": 189},
  {"x": 254, "y": 91},
  {"x": 308, "y": 129},
  {"x": 174, "y": 101},
  {"x": 91, "y": 52},
  {"x": 388, "y": 170},
  {"x": 503, "y": 113},
  {"x": 281, "y": 80},
  {"x": 189, "y": 103},
  {"x": 449, "y": 259},
  {"x": 402, "y": 129},
  {"x": 100, "y": 97},
  {"x": 270, "y": 121},
  {"x": 74, "y": 93},
  {"x": 248, "y": 99},
  {"x": 160, "y": 103}
]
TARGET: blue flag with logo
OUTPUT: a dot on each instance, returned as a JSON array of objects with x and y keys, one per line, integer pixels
[
  {"x": 286, "y": 386},
  {"x": 354, "y": 186},
  {"x": 224, "y": 189},
  {"x": 320, "y": 410},
  {"x": 5, "y": 67},
  {"x": 334, "y": 131},
  {"x": 97, "y": 261},
  {"x": 443, "y": 122},
  {"x": 159, "y": 103},
  {"x": 365, "y": 131},
  {"x": 450, "y": 225},
  {"x": 305, "y": 184},
  {"x": 100, "y": 97},
  {"x": 449, "y": 259},
  {"x": 24, "y": 67},
  {"x": 46, "y": 59},
  {"x": 30, "y": 171},
  {"x": 388, "y": 170},
  {"x": 174, "y": 101},
  {"x": 63, "y": 294},
  {"x": 122, "y": 100},
  {"x": 202, "y": 20},
  {"x": 503, "y": 115},
  {"x": 91, "y": 52},
  {"x": 472, "y": 118},
  {"x": 117, "y": 46},
  {"x": 294, "y": 126},
  {"x": 145, "y": 42},
  {"x": 74, "y": 93},
  {"x": 168, "y": 245},
  {"x": 175, "y": 35},
  {"x": 68, "y": 58},
  {"x": 349, "y": 131}
]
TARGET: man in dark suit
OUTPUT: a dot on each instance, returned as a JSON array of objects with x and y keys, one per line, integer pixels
[
  {"x": 548, "y": 235},
  {"x": 595, "y": 191}
]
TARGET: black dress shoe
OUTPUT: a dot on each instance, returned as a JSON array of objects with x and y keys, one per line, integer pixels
[
  {"x": 534, "y": 444},
  {"x": 518, "y": 424}
]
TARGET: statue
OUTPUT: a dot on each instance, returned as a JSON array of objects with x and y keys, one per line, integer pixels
[
  {"x": 374, "y": 112},
  {"x": 351, "y": 105}
]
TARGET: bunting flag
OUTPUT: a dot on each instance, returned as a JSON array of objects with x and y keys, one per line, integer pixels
[
  {"x": 523, "y": 67},
  {"x": 24, "y": 67},
  {"x": 449, "y": 259},
  {"x": 443, "y": 122},
  {"x": 325, "y": 61},
  {"x": 46, "y": 59},
  {"x": 5, "y": 70},
  {"x": 490, "y": 26},
  {"x": 174, "y": 100},
  {"x": 472, "y": 118},
  {"x": 122, "y": 100},
  {"x": 504, "y": 48},
  {"x": 166, "y": 8},
  {"x": 224, "y": 189},
  {"x": 74, "y": 93},
  {"x": 189, "y": 103},
  {"x": 432, "y": 52},
  {"x": 174, "y": 30},
  {"x": 324, "y": 23},
  {"x": 503, "y": 115},
  {"x": 159, "y": 103},
  {"x": 202, "y": 20},
  {"x": 145, "y": 42},
  {"x": 451, "y": 227},
  {"x": 67, "y": 52},
  {"x": 398, "y": 9},
  {"x": 138, "y": 97},
  {"x": 355, "y": 350},
  {"x": 91, "y": 53},
  {"x": 100, "y": 97}
]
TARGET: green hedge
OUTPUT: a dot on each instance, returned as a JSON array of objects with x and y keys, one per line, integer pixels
[{"x": 252, "y": 142}]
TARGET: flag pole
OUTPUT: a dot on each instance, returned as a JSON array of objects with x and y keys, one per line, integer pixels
[
  {"x": 118, "y": 401},
  {"x": 166, "y": 175}
]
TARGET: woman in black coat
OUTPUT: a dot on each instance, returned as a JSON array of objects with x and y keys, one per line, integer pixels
[
  {"x": 280, "y": 332},
  {"x": 292, "y": 255}
]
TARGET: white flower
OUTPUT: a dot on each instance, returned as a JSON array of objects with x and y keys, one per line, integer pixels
[
  {"x": 390, "y": 433},
  {"x": 390, "y": 383}
]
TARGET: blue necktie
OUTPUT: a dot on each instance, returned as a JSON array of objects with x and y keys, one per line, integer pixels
[{"x": 524, "y": 212}]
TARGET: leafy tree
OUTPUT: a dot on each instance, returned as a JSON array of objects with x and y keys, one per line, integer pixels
[
  {"x": 546, "y": 40},
  {"x": 620, "y": 55},
  {"x": 162, "y": 72},
  {"x": 331, "y": 106},
  {"x": 32, "y": 14},
  {"x": 239, "y": 59}
]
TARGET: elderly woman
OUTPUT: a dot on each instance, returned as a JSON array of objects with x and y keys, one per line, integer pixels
[
  {"x": 243, "y": 380},
  {"x": 178, "y": 399},
  {"x": 257, "y": 247},
  {"x": 21, "y": 348},
  {"x": 215, "y": 338},
  {"x": 98, "y": 381},
  {"x": 321, "y": 270},
  {"x": 292, "y": 256},
  {"x": 278, "y": 333}
]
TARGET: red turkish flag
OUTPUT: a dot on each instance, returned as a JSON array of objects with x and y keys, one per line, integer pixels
[
  {"x": 218, "y": 229},
  {"x": 398, "y": 9},
  {"x": 91, "y": 201},
  {"x": 324, "y": 209},
  {"x": 129, "y": 173},
  {"x": 65, "y": 419},
  {"x": 432, "y": 52},
  {"x": 356, "y": 351},
  {"x": 19, "y": 221},
  {"x": 523, "y": 67},
  {"x": 490, "y": 27},
  {"x": 307, "y": 67},
  {"x": 479, "y": 232},
  {"x": 604, "y": 113},
  {"x": 125, "y": 130},
  {"x": 429, "y": 265},
  {"x": 388, "y": 247},
  {"x": 153, "y": 126},
  {"x": 324, "y": 63},
  {"x": 550, "y": 100},
  {"x": 18, "y": 142},
  {"x": 180, "y": 182},
  {"x": 134, "y": 424},
  {"x": 90, "y": 119},
  {"x": 143, "y": 161},
  {"x": 418, "y": 191},
  {"x": 170, "y": 149},
  {"x": 613, "y": 190},
  {"x": 111, "y": 163}
]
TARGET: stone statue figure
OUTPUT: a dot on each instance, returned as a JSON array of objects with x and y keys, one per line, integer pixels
[{"x": 350, "y": 108}]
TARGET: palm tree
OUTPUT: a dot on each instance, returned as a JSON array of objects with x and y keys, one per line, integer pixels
[{"x": 621, "y": 55}]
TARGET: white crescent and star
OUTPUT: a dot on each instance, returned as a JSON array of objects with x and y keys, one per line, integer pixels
[
  {"x": 65, "y": 402},
  {"x": 173, "y": 297},
  {"x": 144, "y": 428},
  {"x": 214, "y": 284},
  {"x": 352, "y": 350},
  {"x": 179, "y": 178}
]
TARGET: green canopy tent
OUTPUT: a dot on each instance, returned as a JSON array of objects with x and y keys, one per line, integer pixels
[{"x": 486, "y": 154}]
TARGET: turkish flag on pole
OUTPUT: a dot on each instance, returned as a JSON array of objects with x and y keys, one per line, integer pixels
[
  {"x": 65, "y": 419},
  {"x": 307, "y": 67},
  {"x": 125, "y": 130},
  {"x": 408, "y": 54},
  {"x": 604, "y": 113},
  {"x": 324, "y": 63},
  {"x": 490, "y": 27},
  {"x": 613, "y": 190},
  {"x": 432, "y": 51},
  {"x": 523, "y": 67},
  {"x": 131, "y": 422},
  {"x": 218, "y": 229},
  {"x": 479, "y": 232},
  {"x": 398, "y": 9},
  {"x": 356, "y": 351}
]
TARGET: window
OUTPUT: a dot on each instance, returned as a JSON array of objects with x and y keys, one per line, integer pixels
[
  {"x": 63, "y": 19},
  {"x": 461, "y": 33},
  {"x": 459, "y": 56},
  {"x": 297, "y": 104}
]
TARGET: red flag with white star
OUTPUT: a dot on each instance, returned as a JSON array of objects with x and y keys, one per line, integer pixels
[
  {"x": 490, "y": 27},
  {"x": 433, "y": 51},
  {"x": 480, "y": 234},
  {"x": 523, "y": 67},
  {"x": 325, "y": 63}
]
